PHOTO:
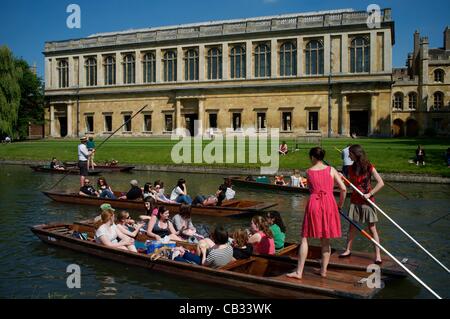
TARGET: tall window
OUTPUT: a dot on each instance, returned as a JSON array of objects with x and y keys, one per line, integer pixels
[
  {"x": 168, "y": 121},
  {"x": 149, "y": 68},
  {"x": 286, "y": 121},
  {"x": 63, "y": 73},
  {"x": 261, "y": 121},
  {"x": 412, "y": 100},
  {"x": 170, "y": 66},
  {"x": 89, "y": 123},
  {"x": 439, "y": 75},
  {"x": 108, "y": 123},
  {"x": 191, "y": 65},
  {"x": 237, "y": 62},
  {"x": 127, "y": 122},
  {"x": 262, "y": 61},
  {"x": 129, "y": 69},
  {"x": 313, "y": 121},
  {"x": 236, "y": 118},
  {"x": 314, "y": 57},
  {"x": 438, "y": 100},
  {"x": 147, "y": 122},
  {"x": 288, "y": 59},
  {"x": 359, "y": 55},
  {"x": 214, "y": 64},
  {"x": 212, "y": 120},
  {"x": 91, "y": 71},
  {"x": 110, "y": 70},
  {"x": 398, "y": 101}
]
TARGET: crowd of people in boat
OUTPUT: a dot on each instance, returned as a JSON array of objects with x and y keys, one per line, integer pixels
[
  {"x": 265, "y": 235},
  {"x": 156, "y": 191}
]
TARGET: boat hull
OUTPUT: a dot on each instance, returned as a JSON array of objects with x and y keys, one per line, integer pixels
[{"x": 70, "y": 171}]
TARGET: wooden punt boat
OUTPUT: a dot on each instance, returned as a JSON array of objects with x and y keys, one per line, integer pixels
[
  {"x": 104, "y": 168},
  {"x": 357, "y": 261},
  {"x": 71, "y": 170},
  {"x": 240, "y": 181},
  {"x": 228, "y": 208},
  {"x": 257, "y": 275}
]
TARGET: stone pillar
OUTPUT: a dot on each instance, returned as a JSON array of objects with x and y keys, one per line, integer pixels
[
  {"x": 373, "y": 52},
  {"x": 180, "y": 61},
  {"x": 343, "y": 116},
  {"x": 344, "y": 53},
  {"x": 119, "y": 69},
  {"x": 82, "y": 71},
  {"x": 273, "y": 58},
  {"x": 52, "y": 120},
  {"x": 48, "y": 73},
  {"x": 387, "y": 51},
  {"x": 201, "y": 116},
  {"x": 158, "y": 65},
  {"x": 373, "y": 114},
  {"x": 249, "y": 56},
  {"x": 178, "y": 114},
  {"x": 139, "y": 79},
  {"x": 299, "y": 56},
  {"x": 54, "y": 74},
  {"x": 201, "y": 62},
  {"x": 100, "y": 71},
  {"x": 225, "y": 62},
  {"x": 326, "y": 53},
  {"x": 69, "y": 120},
  {"x": 72, "y": 76}
]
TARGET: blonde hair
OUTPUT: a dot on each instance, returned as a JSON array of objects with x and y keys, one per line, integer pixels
[
  {"x": 106, "y": 216},
  {"x": 123, "y": 215}
]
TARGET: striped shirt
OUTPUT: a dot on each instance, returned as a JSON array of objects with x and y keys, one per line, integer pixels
[{"x": 219, "y": 257}]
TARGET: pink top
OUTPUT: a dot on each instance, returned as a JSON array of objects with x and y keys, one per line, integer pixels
[{"x": 266, "y": 245}]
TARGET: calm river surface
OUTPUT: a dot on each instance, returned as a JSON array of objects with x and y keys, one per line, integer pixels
[{"x": 32, "y": 269}]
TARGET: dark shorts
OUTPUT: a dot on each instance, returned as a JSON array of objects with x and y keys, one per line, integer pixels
[{"x": 83, "y": 168}]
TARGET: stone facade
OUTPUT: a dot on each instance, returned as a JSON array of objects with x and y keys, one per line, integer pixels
[{"x": 273, "y": 90}]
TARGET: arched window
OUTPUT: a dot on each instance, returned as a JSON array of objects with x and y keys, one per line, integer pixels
[
  {"x": 170, "y": 66},
  {"x": 237, "y": 62},
  {"x": 359, "y": 55},
  {"x": 438, "y": 100},
  {"x": 110, "y": 70},
  {"x": 191, "y": 65},
  {"x": 63, "y": 73},
  {"x": 439, "y": 75},
  {"x": 149, "y": 68},
  {"x": 288, "y": 59},
  {"x": 314, "y": 57},
  {"x": 412, "y": 100},
  {"x": 262, "y": 61},
  {"x": 91, "y": 71},
  {"x": 214, "y": 64},
  {"x": 129, "y": 69},
  {"x": 398, "y": 101}
]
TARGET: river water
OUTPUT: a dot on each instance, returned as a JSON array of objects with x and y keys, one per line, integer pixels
[{"x": 32, "y": 269}]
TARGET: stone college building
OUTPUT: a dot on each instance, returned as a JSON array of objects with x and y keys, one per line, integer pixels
[{"x": 311, "y": 74}]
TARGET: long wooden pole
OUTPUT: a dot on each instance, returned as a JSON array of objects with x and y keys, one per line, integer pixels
[
  {"x": 365, "y": 234},
  {"x": 397, "y": 225},
  {"x": 126, "y": 122},
  {"x": 388, "y": 184}
]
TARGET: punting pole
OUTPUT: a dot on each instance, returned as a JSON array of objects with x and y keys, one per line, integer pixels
[
  {"x": 126, "y": 122},
  {"x": 397, "y": 225},
  {"x": 365, "y": 234}
]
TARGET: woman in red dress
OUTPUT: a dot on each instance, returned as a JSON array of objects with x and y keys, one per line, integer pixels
[
  {"x": 360, "y": 174},
  {"x": 321, "y": 215}
]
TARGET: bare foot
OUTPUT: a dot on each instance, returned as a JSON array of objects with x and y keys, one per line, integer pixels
[
  {"x": 294, "y": 274},
  {"x": 320, "y": 273}
]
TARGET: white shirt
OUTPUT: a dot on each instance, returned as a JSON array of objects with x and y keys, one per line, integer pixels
[
  {"x": 346, "y": 157},
  {"x": 83, "y": 152},
  {"x": 177, "y": 191},
  {"x": 230, "y": 193},
  {"x": 105, "y": 230},
  {"x": 295, "y": 181}
]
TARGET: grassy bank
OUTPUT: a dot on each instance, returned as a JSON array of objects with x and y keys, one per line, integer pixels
[{"x": 388, "y": 155}]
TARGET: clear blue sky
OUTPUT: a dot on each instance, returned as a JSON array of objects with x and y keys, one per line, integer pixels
[{"x": 25, "y": 25}]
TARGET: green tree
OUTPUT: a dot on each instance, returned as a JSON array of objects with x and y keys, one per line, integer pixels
[{"x": 10, "y": 76}]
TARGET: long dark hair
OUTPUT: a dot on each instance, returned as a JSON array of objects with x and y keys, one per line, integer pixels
[
  {"x": 361, "y": 164},
  {"x": 262, "y": 225},
  {"x": 277, "y": 219},
  {"x": 185, "y": 211},
  {"x": 147, "y": 187},
  {"x": 180, "y": 183},
  {"x": 317, "y": 152},
  {"x": 104, "y": 182}
]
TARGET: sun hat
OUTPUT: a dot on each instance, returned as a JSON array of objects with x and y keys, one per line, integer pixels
[
  {"x": 107, "y": 206},
  {"x": 134, "y": 182}
]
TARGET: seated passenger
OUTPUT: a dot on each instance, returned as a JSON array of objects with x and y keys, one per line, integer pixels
[
  {"x": 159, "y": 193},
  {"x": 277, "y": 227},
  {"x": 134, "y": 193},
  {"x": 104, "y": 189},
  {"x": 283, "y": 150},
  {"x": 183, "y": 222},
  {"x": 87, "y": 190},
  {"x": 148, "y": 191},
  {"x": 241, "y": 248},
  {"x": 297, "y": 179},
  {"x": 126, "y": 225},
  {"x": 108, "y": 234},
  {"x": 211, "y": 200},
  {"x": 54, "y": 164},
  {"x": 262, "y": 237},
  {"x": 180, "y": 194},
  {"x": 215, "y": 253},
  {"x": 160, "y": 226},
  {"x": 279, "y": 180},
  {"x": 230, "y": 192}
]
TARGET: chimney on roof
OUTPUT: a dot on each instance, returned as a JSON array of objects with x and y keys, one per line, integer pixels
[
  {"x": 447, "y": 38},
  {"x": 415, "y": 58}
]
